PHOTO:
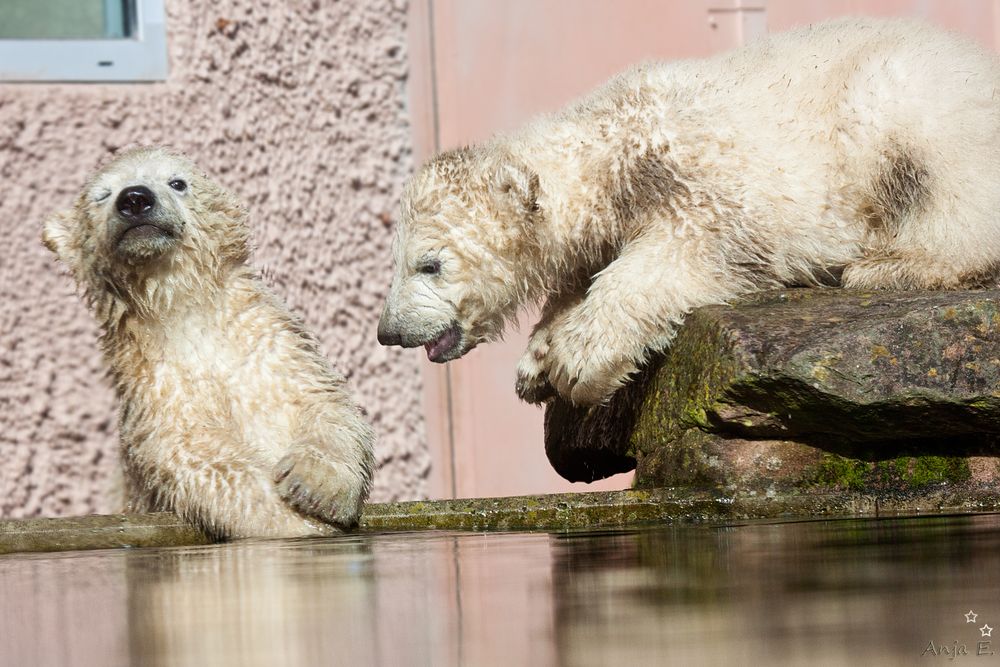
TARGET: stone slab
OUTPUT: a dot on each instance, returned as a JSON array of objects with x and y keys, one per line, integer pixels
[{"x": 558, "y": 512}]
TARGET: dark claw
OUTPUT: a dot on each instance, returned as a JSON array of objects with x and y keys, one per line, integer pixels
[
  {"x": 534, "y": 395},
  {"x": 283, "y": 472}
]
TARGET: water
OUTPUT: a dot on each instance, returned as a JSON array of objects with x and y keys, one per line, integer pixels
[{"x": 853, "y": 592}]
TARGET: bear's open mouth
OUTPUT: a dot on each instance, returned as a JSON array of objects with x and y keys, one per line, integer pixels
[{"x": 444, "y": 347}]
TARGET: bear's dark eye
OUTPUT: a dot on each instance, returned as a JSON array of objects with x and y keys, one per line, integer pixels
[
  {"x": 431, "y": 267},
  {"x": 178, "y": 184}
]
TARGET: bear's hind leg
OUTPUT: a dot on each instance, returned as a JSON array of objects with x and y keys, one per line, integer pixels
[{"x": 917, "y": 270}]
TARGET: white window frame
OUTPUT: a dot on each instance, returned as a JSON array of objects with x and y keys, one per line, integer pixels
[{"x": 140, "y": 57}]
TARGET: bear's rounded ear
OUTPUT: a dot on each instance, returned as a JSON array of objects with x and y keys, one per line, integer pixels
[
  {"x": 57, "y": 234},
  {"x": 518, "y": 186},
  {"x": 220, "y": 201}
]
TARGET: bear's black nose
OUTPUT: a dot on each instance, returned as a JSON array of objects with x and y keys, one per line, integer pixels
[
  {"x": 135, "y": 201},
  {"x": 387, "y": 337}
]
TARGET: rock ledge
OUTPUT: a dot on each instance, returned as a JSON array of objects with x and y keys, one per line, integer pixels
[{"x": 806, "y": 389}]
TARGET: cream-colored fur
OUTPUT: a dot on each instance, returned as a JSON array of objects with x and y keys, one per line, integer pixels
[
  {"x": 858, "y": 152},
  {"x": 229, "y": 414}
]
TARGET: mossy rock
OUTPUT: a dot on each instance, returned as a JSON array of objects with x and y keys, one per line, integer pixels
[{"x": 899, "y": 387}]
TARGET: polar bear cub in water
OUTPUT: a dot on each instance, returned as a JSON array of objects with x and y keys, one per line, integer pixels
[
  {"x": 229, "y": 414},
  {"x": 863, "y": 152}
]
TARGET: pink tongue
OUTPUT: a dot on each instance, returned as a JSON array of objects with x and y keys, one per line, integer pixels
[{"x": 441, "y": 344}]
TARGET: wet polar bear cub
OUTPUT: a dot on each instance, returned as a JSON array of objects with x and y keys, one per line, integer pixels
[
  {"x": 860, "y": 152},
  {"x": 229, "y": 414}
]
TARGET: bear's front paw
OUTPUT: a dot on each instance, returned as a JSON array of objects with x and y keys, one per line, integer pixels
[
  {"x": 318, "y": 487},
  {"x": 585, "y": 379},
  {"x": 533, "y": 388},
  {"x": 532, "y": 385}
]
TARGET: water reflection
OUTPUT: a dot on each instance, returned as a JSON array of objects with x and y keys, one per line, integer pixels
[{"x": 874, "y": 592}]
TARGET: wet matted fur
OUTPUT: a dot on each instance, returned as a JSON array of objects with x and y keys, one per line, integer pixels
[
  {"x": 229, "y": 414},
  {"x": 864, "y": 152}
]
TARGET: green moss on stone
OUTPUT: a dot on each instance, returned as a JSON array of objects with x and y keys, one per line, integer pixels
[
  {"x": 928, "y": 470},
  {"x": 840, "y": 473},
  {"x": 693, "y": 374},
  {"x": 900, "y": 474}
]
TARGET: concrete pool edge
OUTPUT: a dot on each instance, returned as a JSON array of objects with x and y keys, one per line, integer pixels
[{"x": 605, "y": 509}]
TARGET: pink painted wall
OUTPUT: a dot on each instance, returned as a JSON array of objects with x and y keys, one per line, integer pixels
[
  {"x": 976, "y": 18},
  {"x": 299, "y": 107}
]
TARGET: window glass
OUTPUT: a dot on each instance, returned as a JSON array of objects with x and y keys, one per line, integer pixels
[
  {"x": 83, "y": 40},
  {"x": 66, "y": 19}
]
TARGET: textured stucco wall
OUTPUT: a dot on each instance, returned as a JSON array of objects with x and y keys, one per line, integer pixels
[{"x": 299, "y": 107}]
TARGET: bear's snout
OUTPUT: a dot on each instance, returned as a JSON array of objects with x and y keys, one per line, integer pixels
[
  {"x": 135, "y": 201},
  {"x": 142, "y": 227},
  {"x": 388, "y": 334}
]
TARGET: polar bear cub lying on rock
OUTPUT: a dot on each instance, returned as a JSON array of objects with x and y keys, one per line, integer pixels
[
  {"x": 229, "y": 414},
  {"x": 858, "y": 152}
]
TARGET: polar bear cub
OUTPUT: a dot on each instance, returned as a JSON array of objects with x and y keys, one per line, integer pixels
[
  {"x": 229, "y": 414},
  {"x": 859, "y": 152}
]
